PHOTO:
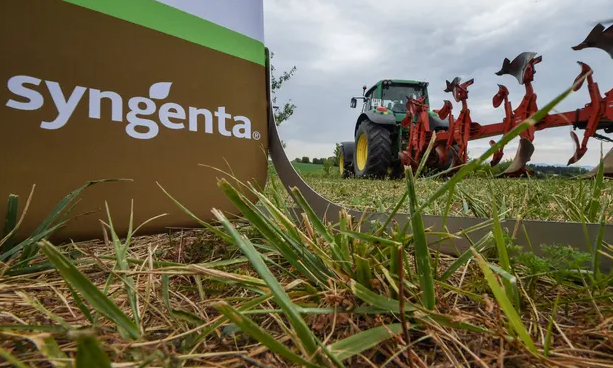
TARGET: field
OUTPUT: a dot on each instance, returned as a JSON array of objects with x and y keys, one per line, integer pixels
[
  {"x": 526, "y": 198},
  {"x": 305, "y": 168},
  {"x": 272, "y": 292}
]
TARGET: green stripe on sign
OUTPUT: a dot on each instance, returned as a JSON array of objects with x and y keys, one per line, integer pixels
[{"x": 172, "y": 21}]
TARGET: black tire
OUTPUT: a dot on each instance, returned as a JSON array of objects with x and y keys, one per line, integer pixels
[
  {"x": 345, "y": 166},
  {"x": 433, "y": 166},
  {"x": 378, "y": 148}
]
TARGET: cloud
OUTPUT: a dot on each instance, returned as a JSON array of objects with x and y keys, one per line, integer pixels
[{"x": 339, "y": 46}]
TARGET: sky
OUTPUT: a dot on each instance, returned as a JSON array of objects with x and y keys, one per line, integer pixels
[{"x": 339, "y": 46}]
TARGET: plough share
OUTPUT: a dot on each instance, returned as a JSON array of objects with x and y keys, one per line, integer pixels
[{"x": 451, "y": 144}]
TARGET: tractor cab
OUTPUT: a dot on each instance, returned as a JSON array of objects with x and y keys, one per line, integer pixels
[{"x": 390, "y": 97}]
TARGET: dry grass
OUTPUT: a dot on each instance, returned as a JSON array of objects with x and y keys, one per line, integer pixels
[
  {"x": 581, "y": 335},
  {"x": 182, "y": 279}
]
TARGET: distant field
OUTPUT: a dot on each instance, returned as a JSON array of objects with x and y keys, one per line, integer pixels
[{"x": 308, "y": 168}]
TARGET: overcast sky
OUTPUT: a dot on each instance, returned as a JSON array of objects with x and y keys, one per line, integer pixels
[{"x": 338, "y": 46}]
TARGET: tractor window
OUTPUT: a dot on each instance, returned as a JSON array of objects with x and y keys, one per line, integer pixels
[
  {"x": 395, "y": 96},
  {"x": 370, "y": 94}
]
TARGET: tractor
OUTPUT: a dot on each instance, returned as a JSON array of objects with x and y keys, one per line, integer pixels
[
  {"x": 396, "y": 125},
  {"x": 380, "y": 136}
]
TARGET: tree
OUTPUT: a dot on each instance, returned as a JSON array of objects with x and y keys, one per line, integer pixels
[
  {"x": 282, "y": 113},
  {"x": 328, "y": 164},
  {"x": 337, "y": 154},
  {"x": 305, "y": 160},
  {"x": 287, "y": 110}
]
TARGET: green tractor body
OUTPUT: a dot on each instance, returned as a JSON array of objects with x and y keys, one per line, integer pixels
[{"x": 378, "y": 134}]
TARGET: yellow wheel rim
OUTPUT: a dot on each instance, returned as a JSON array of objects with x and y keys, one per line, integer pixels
[
  {"x": 362, "y": 152},
  {"x": 341, "y": 164}
]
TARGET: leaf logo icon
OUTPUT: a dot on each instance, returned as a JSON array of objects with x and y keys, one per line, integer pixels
[{"x": 160, "y": 90}]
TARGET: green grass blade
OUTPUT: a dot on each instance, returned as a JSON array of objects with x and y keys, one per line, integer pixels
[
  {"x": 11, "y": 359},
  {"x": 165, "y": 292},
  {"x": 363, "y": 270},
  {"x": 33, "y": 239},
  {"x": 304, "y": 334},
  {"x": 255, "y": 331},
  {"x": 206, "y": 225},
  {"x": 505, "y": 303},
  {"x": 279, "y": 216},
  {"x": 242, "y": 309},
  {"x": 90, "y": 353},
  {"x": 379, "y": 301},
  {"x": 600, "y": 240},
  {"x": 549, "y": 335},
  {"x": 342, "y": 239},
  {"x": 393, "y": 306},
  {"x": 59, "y": 212},
  {"x": 79, "y": 302},
  {"x": 394, "y": 257},
  {"x": 279, "y": 202},
  {"x": 422, "y": 251},
  {"x": 358, "y": 343},
  {"x": 319, "y": 226},
  {"x": 34, "y": 303},
  {"x": 294, "y": 236},
  {"x": 10, "y": 222},
  {"x": 274, "y": 235},
  {"x": 392, "y": 214},
  {"x": 49, "y": 348},
  {"x": 596, "y": 194},
  {"x": 100, "y": 302},
  {"x": 467, "y": 255},
  {"x": 370, "y": 238},
  {"x": 426, "y": 155},
  {"x": 121, "y": 252},
  {"x": 503, "y": 254},
  {"x": 40, "y": 328}
]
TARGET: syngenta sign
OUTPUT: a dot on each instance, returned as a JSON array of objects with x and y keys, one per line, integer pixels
[{"x": 143, "y": 116}]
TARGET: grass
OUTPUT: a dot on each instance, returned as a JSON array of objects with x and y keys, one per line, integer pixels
[
  {"x": 534, "y": 199},
  {"x": 273, "y": 290},
  {"x": 308, "y": 168},
  {"x": 238, "y": 300}
]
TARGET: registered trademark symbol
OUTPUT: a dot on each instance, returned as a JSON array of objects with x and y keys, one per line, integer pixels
[{"x": 256, "y": 136}]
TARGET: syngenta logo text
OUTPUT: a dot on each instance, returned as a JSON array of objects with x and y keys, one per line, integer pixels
[{"x": 137, "y": 114}]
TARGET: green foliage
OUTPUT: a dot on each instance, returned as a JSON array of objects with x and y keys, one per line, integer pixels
[
  {"x": 505, "y": 303},
  {"x": 26, "y": 249},
  {"x": 90, "y": 353},
  {"x": 305, "y": 336},
  {"x": 559, "y": 262},
  {"x": 422, "y": 251},
  {"x": 337, "y": 154},
  {"x": 287, "y": 110},
  {"x": 328, "y": 164},
  {"x": 100, "y": 302}
]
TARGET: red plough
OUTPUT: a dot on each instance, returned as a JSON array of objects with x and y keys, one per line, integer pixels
[{"x": 451, "y": 146}]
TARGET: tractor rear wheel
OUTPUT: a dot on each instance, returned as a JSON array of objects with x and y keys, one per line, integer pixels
[
  {"x": 346, "y": 160},
  {"x": 373, "y": 151}
]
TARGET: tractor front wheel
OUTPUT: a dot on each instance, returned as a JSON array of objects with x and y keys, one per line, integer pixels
[{"x": 373, "y": 151}]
